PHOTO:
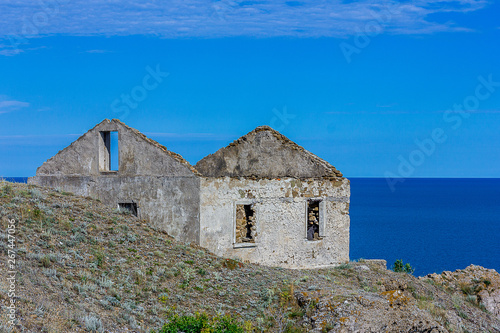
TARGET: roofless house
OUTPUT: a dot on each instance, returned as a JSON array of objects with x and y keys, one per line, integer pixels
[{"x": 263, "y": 198}]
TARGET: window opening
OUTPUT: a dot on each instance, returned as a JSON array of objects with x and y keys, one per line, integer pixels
[
  {"x": 130, "y": 207},
  {"x": 245, "y": 224},
  {"x": 108, "y": 151},
  {"x": 313, "y": 220}
]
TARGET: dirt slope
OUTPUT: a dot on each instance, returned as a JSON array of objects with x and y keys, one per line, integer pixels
[{"x": 82, "y": 266}]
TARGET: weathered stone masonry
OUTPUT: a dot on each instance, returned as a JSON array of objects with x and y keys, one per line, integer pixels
[{"x": 262, "y": 199}]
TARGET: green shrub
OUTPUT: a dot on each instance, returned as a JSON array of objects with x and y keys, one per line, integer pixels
[
  {"x": 99, "y": 258},
  {"x": 399, "y": 267},
  {"x": 7, "y": 189},
  {"x": 45, "y": 261},
  {"x": 201, "y": 322},
  {"x": 344, "y": 266}
]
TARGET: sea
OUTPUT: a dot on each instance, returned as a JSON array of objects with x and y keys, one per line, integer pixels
[{"x": 434, "y": 224}]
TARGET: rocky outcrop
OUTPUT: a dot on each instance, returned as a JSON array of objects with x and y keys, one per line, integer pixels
[
  {"x": 389, "y": 311},
  {"x": 480, "y": 284},
  {"x": 377, "y": 302}
]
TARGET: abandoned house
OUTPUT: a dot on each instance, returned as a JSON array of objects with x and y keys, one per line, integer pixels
[{"x": 262, "y": 199}]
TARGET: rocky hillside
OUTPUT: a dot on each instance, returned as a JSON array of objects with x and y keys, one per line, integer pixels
[{"x": 82, "y": 266}]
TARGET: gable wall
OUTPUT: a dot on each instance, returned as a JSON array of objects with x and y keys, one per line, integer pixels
[
  {"x": 137, "y": 156},
  {"x": 166, "y": 190},
  {"x": 264, "y": 154},
  {"x": 280, "y": 207}
]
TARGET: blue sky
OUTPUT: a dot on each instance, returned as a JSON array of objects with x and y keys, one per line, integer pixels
[{"x": 377, "y": 88}]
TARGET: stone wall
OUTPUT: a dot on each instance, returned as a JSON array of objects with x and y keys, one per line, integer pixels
[
  {"x": 168, "y": 203},
  {"x": 281, "y": 219},
  {"x": 162, "y": 184}
]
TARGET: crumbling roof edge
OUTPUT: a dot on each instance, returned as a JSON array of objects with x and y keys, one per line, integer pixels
[{"x": 286, "y": 140}]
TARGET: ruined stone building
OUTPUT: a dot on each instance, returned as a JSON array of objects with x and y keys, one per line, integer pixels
[{"x": 262, "y": 199}]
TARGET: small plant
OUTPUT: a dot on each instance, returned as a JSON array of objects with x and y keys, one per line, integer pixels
[
  {"x": 39, "y": 311},
  {"x": 35, "y": 194},
  {"x": 344, "y": 266},
  {"x": 50, "y": 272},
  {"x": 45, "y": 261},
  {"x": 467, "y": 289},
  {"x": 138, "y": 276},
  {"x": 399, "y": 267},
  {"x": 99, "y": 258},
  {"x": 232, "y": 264},
  {"x": 163, "y": 298},
  {"x": 472, "y": 299},
  {"x": 37, "y": 214},
  {"x": 482, "y": 307},
  {"x": 7, "y": 189},
  {"x": 93, "y": 324},
  {"x": 105, "y": 282}
]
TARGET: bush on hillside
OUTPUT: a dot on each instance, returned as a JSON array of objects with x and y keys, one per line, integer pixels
[
  {"x": 403, "y": 268},
  {"x": 202, "y": 323}
]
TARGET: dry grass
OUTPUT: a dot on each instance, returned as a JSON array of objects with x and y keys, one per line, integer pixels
[{"x": 83, "y": 266}]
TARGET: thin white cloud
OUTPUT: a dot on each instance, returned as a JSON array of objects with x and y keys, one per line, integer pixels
[
  {"x": 23, "y": 19},
  {"x": 31, "y": 136},
  {"x": 9, "y": 105},
  {"x": 9, "y": 50}
]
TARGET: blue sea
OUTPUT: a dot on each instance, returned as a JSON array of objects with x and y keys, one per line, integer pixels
[
  {"x": 15, "y": 179},
  {"x": 434, "y": 224}
]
